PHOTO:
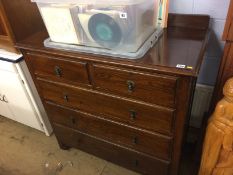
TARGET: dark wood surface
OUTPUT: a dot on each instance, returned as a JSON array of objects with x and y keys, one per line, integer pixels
[
  {"x": 115, "y": 153},
  {"x": 154, "y": 88},
  {"x": 24, "y": 18},
  {"x": 6, "y": 35},
  {"x": 173, "y": 48},
  {"x": 59, "y": 69},
  {"x": 115, "y": 132},
  {"x": 92, "y": 106},
  {"x": 111, "y": 107}
]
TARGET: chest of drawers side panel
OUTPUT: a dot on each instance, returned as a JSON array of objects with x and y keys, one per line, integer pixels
[{"x": 184, "y": 94}]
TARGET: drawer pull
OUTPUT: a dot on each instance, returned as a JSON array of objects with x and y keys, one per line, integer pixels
[
  {"x": 136, "y": 163},
  {"x": 133, "y": 114},
  {"x": 135, "y": 140},
  {"x": 131, "y": 85},
  {"x": 58, "y": 71},
  {"x": 66, "y": 98},
  {"x": 73, "y": 120}
]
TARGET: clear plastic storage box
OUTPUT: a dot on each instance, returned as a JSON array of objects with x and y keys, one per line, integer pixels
[{"x": 119, "y": 25}]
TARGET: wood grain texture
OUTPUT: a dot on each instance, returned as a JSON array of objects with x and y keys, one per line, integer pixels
[
  {"x": 200, "y": 22},
  {"x": 161, "y": 88},
  {"x": 6, "y": 35},
  {"x": 176, "y": 46},
  {"x": 111, "y": 152},
  {"x": 150, "y": 117},
  {"x": 217, "y": 156},
  {"x": 59, "y": 69},
  {"x": 139, "y": 140},
  {"x": 24, "y": 18}
]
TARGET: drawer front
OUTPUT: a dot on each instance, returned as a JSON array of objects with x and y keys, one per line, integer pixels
[
  {"x": 110, "y": 152},
  {"x": 129, "y": 112},
  {"x": 57, "y": 69},
  {"x": 156, "y": 89},
  {"x": 152, "y": 144}
]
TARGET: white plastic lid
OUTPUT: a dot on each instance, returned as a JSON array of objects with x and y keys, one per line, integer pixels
[{"x": 87, "y": 2}]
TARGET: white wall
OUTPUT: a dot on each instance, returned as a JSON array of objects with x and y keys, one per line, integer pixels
[{"x": 217, "y": 9}]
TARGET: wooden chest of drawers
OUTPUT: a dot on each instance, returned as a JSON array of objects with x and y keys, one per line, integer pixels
[{"x": 130, "y": 112}]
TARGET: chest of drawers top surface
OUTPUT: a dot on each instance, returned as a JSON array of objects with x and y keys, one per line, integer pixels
[{"x": 178, "y": 51}]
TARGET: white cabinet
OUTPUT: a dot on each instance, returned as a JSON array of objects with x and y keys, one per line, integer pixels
[{"x": 19, "y": 99}]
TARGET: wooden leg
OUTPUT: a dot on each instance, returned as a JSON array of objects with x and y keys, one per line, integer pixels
[{"x": 63, "y": 146}]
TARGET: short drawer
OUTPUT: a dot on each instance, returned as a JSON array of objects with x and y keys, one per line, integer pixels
[
  {"x": 111, "y": 152},
  {"x": 153, "y": 118},
  {"x": 59, "y": 69},
  {"x": 153, "y": 88},
  {"x": 151, "y": 144}
]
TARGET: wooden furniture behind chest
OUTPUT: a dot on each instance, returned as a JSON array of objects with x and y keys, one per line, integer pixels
[
  {"x": 226, "y": 68},
  {"x": 6, "y": 35},
  {"x": 130, "y": 112}
]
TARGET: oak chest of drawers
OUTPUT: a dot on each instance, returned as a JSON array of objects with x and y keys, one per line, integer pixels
[{"x": 130, "y": 112}]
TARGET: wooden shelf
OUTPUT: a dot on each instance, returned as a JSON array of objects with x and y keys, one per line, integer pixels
[{"x": 6, "y": 36}]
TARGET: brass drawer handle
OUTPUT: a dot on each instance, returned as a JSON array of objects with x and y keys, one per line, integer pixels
[
  {"x": 131, "y": 85},
  {"x": 58, "y": 71},
  {"x": 135, "y": 140},
  {"x": 133, "y": 114},
  {"x": 66, "y": 98}
]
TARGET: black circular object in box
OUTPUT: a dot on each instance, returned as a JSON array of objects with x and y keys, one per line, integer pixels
[{"x": 104, "y": 30}]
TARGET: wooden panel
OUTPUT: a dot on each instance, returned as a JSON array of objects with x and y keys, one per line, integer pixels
[
  {"x": 158, "y": 119},
  {"x": 228, "y": 30},
  {"x": 200, "y": 22},
  {"x": 186, "y": 48},
  {"x": 24, "y": 18},
  {"x": 152, "y": 144},
  {"x": 185, "y": 90},
  {"x": 6, "y": 36},
  {"x": 114, "y": 153},
  {"x": 59, "y": 69},
  {"x": 230, "y": 33},
  {"x": 157, "y": 89},
  {"x": 2, "y": 27}
]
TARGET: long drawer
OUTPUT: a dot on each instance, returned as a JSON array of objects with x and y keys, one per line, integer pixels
[
  {"x": 59, "y": 69},
  {"x": 153, "y": 88},
  {"x": 125, "y": 157},
  {"x": 152, "y": 144},
  {"x": 129, "y": 112}
]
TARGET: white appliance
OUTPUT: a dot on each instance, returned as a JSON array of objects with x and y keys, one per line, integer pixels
[{"x": 19, "y": 99}]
